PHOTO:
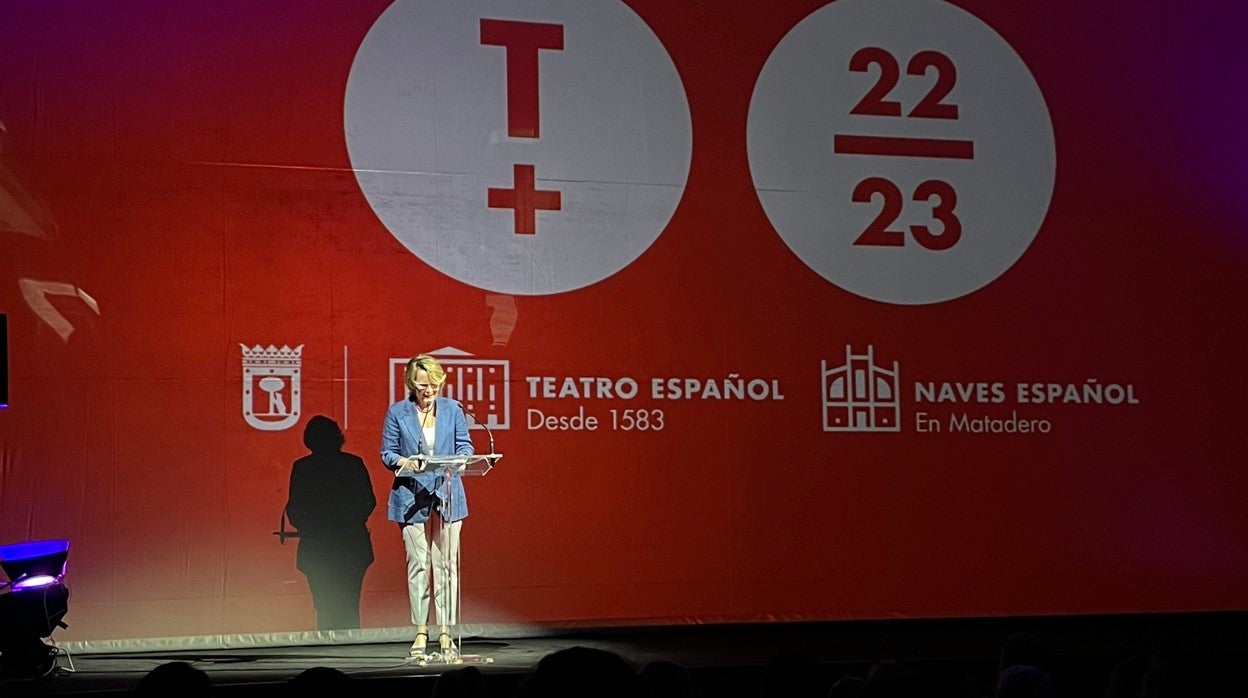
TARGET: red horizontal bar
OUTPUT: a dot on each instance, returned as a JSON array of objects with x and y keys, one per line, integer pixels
[{"x": 904, "y": 147}]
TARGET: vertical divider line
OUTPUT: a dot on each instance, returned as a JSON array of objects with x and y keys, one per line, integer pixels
[{"x": 345, "y": 421}]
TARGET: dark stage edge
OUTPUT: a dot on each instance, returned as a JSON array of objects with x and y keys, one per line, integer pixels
[{"x": 959, "y": 656}]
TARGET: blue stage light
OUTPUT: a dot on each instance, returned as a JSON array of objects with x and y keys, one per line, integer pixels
[{"x": 33, "y": 603}]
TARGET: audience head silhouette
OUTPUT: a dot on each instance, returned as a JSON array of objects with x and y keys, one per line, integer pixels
[
  {"x": 175, "y": 679},
  {"x": 889, "y": 678},
  {"x": 321, "y": 680},
  {"x": 463, "y": 682},
  {"x": 789, "y": 675},
  {"x": 1023, "y": 649},
  {"x": 846, "y": 687},
  {"x": 665, "y": 679},
  {"x": 576, "y": 672},
  {"x": 1025, "y": 681}
]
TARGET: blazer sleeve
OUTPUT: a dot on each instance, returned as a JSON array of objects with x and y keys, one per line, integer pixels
[{"x": 391, "y": 440}]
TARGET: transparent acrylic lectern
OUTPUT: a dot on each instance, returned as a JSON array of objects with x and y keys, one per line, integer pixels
[{"x": 476, "y": 465}]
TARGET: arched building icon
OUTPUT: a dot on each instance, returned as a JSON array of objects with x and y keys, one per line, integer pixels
[{"x": 860, "y": 396}]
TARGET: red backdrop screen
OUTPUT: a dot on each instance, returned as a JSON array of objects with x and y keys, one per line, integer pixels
[{"x": 776, "y": 310}]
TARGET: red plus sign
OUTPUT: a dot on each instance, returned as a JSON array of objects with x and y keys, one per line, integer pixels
[{"x": 525, "y": 199}]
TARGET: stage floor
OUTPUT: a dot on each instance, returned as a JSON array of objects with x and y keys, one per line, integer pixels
[{"x": 726, "y": 660}]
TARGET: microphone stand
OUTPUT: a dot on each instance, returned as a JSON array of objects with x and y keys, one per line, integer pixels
[
  {"x": 282, "y": 533},
  {"x": 492, "y": 459}
]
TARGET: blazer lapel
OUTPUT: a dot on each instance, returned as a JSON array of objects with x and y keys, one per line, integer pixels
[
  {"x": 411, "y": 426},
  {"x": 439, "y": 434}
]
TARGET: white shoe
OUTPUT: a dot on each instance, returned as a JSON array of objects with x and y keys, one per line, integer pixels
[
  {"x": 419, "y": 646},
  {"x": 446, "y": 645}
]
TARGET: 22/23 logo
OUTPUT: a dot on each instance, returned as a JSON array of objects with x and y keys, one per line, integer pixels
[{"x": 901, "y": 149}]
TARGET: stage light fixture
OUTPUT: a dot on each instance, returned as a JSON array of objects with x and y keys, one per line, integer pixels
[{"x": 33, "y": 603}]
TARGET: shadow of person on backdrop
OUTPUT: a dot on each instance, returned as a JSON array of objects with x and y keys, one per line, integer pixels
[{"x": 331, "y": 498}]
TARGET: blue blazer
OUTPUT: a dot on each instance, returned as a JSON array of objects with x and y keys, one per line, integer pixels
[{"x": 412, "y": 497}]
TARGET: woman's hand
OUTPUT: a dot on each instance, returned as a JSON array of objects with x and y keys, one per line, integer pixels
[{"x": 417, "y": 464}]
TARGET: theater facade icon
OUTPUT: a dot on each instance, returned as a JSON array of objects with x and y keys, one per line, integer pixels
[
  {"x": 860, "y": 396},
  {"x": 483, "y": 386}
]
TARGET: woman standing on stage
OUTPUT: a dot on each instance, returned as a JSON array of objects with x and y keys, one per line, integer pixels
[{"x": 429, "y": 505}]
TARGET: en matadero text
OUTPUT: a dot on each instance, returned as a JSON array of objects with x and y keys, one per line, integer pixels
[
  {"x": 1090, "y": 392},
  {"x": 733, "y": 387}
]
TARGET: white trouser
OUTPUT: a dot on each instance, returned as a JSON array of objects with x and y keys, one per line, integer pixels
[{"x": 433, "y": 547}]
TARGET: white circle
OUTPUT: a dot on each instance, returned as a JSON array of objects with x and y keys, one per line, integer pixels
[
  {"x": 802, "y": 103},
  {"x": 427, "y": 132}
]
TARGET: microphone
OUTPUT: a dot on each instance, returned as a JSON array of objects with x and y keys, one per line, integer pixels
[{"x": 488, "y": 433}]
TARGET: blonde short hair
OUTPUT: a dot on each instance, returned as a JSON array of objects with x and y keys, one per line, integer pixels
[{"x": 429, "y": 365}]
